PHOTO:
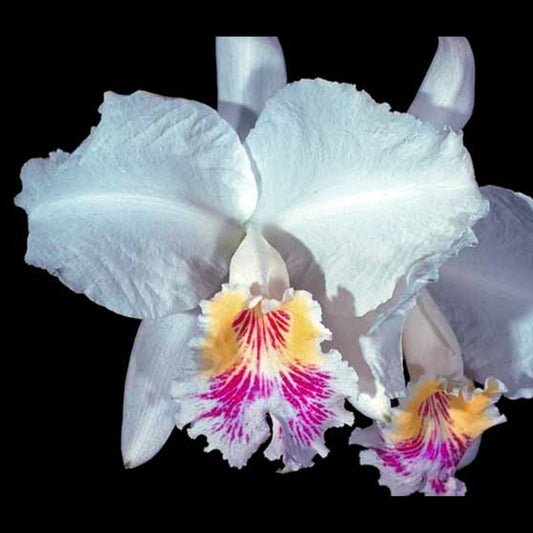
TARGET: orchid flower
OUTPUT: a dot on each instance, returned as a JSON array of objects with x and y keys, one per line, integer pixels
[
  {"x": 231, "y": 233},
  {"x": 474, "y": 324}
]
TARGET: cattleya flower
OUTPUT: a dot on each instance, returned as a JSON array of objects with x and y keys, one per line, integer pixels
[
  {"x": 481, "y": 327},
  {"x": 236, "y": 235},
  {"x": 436, "y": 429}
]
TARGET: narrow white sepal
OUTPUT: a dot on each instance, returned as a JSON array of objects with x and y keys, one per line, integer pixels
[
  {"x": 249, "y": 71},
  {"x": 159, "y": 355},
  {"x": 446, "y": 96}
]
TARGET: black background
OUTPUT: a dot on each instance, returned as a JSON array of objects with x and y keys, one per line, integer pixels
[{"x": 70, "y": 356}]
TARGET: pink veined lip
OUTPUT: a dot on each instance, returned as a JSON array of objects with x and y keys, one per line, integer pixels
[
  {"x": 303, "y": 387},
  {"x": 442, "y": 445}
]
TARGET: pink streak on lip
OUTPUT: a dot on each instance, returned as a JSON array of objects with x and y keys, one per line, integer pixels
[
  {"x": 238, "y": 388},
  {"x": 436, "y": 443},
  {"x": 306, "y": 389}
]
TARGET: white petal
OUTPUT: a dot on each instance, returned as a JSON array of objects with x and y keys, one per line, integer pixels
[
  {"x": 429, "y": 344},
  {"x": 362, "y": 203},
  {"x": 249, "y": 71},
  {"x": 143, "y": 217},
  {"x": 446, "y": 96},
  {"x": 258, "y": 266},
  {"x": 158, "y": 355},
  {"x": 486, "y": 293}
]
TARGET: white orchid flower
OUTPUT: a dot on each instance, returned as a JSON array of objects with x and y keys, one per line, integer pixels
[
  {"x": 477, "y": 326},
  {"x": 356, "y": 205}
]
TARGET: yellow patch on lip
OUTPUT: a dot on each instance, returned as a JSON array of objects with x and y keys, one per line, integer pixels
[
  {"x": 304, "y": 335},
  {"x": 220, "y": 348},
  {"x": 467, "y": 418},
  {"x": 286, "y": 335},
  {"x": 407, "y": 421}
]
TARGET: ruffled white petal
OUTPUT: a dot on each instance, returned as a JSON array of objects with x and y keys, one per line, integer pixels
[
  {"x": 363, "y": 204},
  {"x": 258, "y": 266},
  {"x": 249, "y": 71},
  {"x": 143, "y": 217},
  {"x": 446, "y": 96},
  {"x": 158, "y": 357},
  {"x": 486, "y": 293},
  {"x": 429, "y": 344}
]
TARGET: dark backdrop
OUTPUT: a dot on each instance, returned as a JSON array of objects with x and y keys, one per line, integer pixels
[{"x": 70, "y": 356}]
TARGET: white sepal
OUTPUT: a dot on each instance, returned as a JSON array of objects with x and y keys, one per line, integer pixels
[
  {"x": 446, "y": 96},
  {"x": 249, "y": 71},
  {"x": 160, "y": 354}
]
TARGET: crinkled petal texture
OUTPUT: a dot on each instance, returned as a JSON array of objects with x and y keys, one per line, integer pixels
[
  {"x": 258, "y": 358},
  {"x": 430, "y": 432},
  {"x": 160, "y": 353},
  {"x": 486, "y": 293},
  {"x": 143, "y": 217},
  {"x": 364, "y": 205}
]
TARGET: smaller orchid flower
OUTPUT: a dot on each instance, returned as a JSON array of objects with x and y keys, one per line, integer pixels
[
  {"x": 228, "y": 232},
  {"x": 436, "y": 428},
  {"x": 483, "y": 333}
]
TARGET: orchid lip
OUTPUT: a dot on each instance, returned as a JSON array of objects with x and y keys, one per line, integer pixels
[
  {"x": 260, "y": 358},
  {"x": 429, "y": 434}
]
